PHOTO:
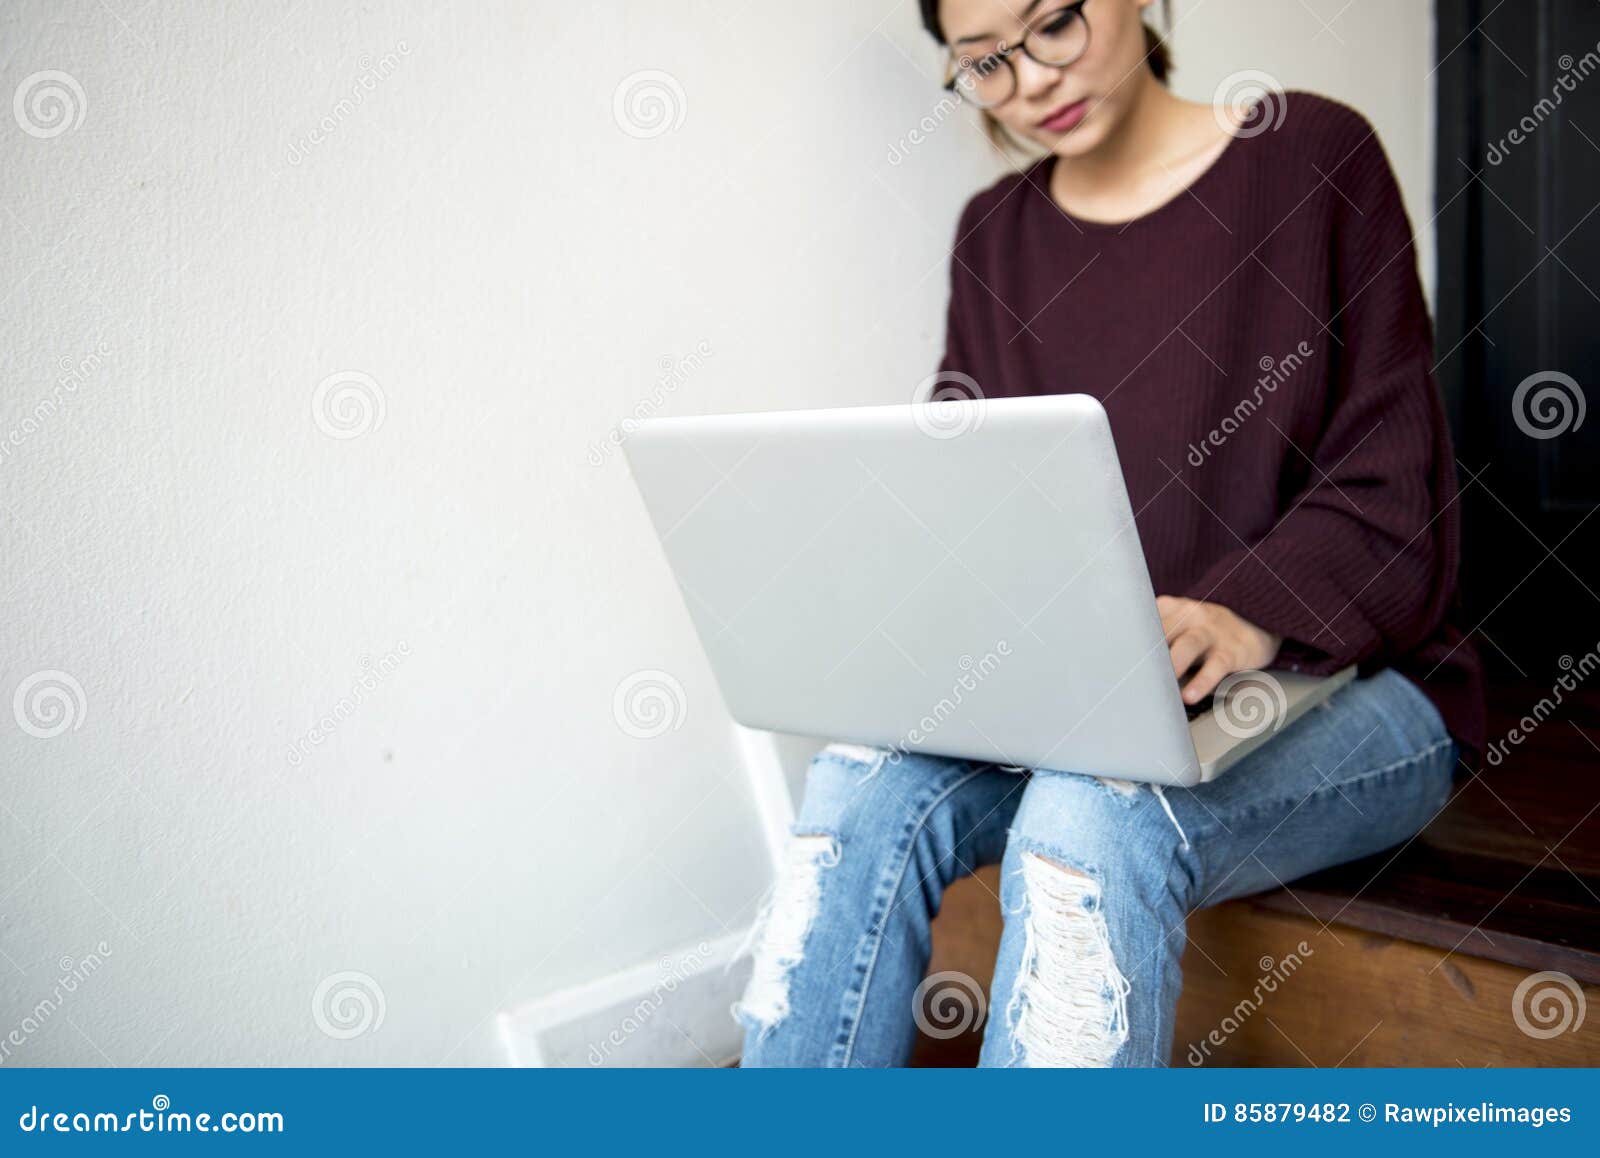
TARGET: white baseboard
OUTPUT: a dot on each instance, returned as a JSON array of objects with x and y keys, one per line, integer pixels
[
  {"x": 674, "y": 1011},
  {"x": 671, "y": 1012}
]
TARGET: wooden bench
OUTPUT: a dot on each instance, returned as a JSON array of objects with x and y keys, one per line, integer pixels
[{"x": 1425, "y": 955}]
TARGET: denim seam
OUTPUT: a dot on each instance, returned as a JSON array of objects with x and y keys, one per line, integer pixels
[
  {"x": 879, "y": 925},
  {"x": 1415, "y": 758},
  {"x": 1181, "y": 890}
]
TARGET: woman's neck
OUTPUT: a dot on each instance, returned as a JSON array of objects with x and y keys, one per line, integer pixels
[{"x": 1161, "y": 146}]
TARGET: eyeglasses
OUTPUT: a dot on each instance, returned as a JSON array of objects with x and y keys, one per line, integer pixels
[{"x": 1055, "y": 39}]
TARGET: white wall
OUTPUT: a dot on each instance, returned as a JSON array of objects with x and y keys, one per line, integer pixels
[{"x": 481, "y": 236}]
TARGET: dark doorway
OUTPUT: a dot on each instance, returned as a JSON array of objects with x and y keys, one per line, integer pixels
[{"x": 1518, "y": 325}]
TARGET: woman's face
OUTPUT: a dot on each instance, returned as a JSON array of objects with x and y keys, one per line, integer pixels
[{"x": 1069, "y": 111}]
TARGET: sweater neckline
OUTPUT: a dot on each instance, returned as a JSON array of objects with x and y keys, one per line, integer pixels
[{"x": 1207, "y": 177}]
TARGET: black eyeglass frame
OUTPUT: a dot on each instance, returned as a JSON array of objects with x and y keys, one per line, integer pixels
[{"x": 1004, "y": 52}]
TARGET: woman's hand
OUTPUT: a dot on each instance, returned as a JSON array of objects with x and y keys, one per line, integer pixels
[{"x": 1214, "y": 637}]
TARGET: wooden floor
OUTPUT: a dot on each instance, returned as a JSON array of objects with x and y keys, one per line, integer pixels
[
  {"x": 1359, "y": 998},
  {"x": 1417, "y": 954},
  {"x": 1510, "y": 870}
]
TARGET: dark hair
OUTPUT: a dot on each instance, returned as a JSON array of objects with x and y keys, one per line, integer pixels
[{"x": 1154, "y": 46}]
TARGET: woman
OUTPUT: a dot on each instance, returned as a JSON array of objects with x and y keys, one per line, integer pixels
[{"x": 1240, "y": 292}]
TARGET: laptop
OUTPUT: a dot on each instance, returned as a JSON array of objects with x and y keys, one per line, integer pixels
[{"x": 959, "y": 577}]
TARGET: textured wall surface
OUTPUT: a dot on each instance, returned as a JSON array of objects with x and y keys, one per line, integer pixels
[{"x": 345, "y": 699}]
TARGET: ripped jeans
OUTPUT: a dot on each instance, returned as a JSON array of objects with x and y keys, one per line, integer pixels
[{"x": 1096, "y": 880}]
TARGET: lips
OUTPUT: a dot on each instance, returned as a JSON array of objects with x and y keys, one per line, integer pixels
[{"x": 1066, "y": 117}]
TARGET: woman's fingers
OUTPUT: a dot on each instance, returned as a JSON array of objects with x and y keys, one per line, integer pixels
[
  {"x": 1216, "y": 668},
  {"x": 1177, "y": 615},
  {"x": 1187, "y": 648},
  {"x": 1197, "y": 630}
]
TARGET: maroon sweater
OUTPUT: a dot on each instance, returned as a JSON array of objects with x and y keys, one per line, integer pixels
[{"x": 1262, "y": 347}]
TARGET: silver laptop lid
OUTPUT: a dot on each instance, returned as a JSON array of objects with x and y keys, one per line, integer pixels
[{"x": 962, "y": 578}]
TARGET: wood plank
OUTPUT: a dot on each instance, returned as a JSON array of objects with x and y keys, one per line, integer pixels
[
  {"x": 1358, "y": 999},
  {"x": 1510, "y": 870},
  {"x": 966, "y": 935}
]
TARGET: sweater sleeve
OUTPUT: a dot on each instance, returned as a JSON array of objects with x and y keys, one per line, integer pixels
[
  {"x": 962, "y": 336},
  {"x": 1361, "y": 562}
]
